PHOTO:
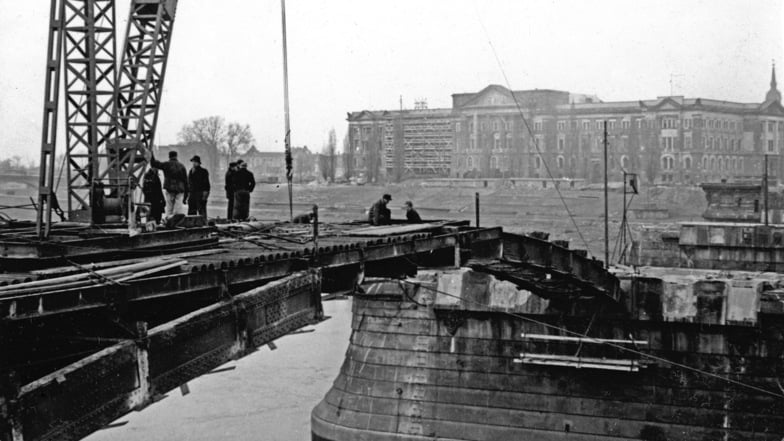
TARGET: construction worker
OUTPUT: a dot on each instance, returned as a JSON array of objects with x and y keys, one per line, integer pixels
[
  {"x": 153, "y": 194},
  {"x": 229, "y": 187},
  {"x": 379, "y": 214},
  {"x": 175, "y": 181},
  {"x": 244, "y": 183},
  {"x": 198, "y": 188},
  {"x": 411, "y": 215}
]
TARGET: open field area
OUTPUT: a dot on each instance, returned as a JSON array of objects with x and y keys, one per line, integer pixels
[{"x": 517, "y": 209}]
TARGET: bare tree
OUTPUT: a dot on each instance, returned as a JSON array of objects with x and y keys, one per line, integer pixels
[
  {"x": 238, "y": 139},
  {"x": 210, "y": 130},
  {"x": 328, "y": 153},
  {"x": 231, "y": 140},
  {"x": 348, "y": 155}
]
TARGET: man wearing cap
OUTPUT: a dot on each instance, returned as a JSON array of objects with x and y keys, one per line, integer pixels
[
  {"x": 244, "y": 183},
  {"x": 175, "y": 181},
  {"x": 379, "y": 214},
  {"x": 229, "y": 187},
  {"x": 198, "y": 188}
]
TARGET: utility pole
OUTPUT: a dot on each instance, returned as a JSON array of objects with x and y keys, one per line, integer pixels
[
  {"x": 606, "y": 206},
  {"x": 289, "y": 159},
  {"x": 622, "y": 248},
  {"x": 765, "y": 189}
]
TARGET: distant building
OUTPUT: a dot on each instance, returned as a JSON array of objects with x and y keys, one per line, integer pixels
[
  {"x": 271, "y": 166},
  {"x": 398, "y": 144},
  {"x": 210, "y": 158},
  {"x": 670, "y": 139}
]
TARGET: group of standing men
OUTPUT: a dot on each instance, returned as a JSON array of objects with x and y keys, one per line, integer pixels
[
  {"x": 193, "y": 188},
  {"x": 239, "y": 185}
]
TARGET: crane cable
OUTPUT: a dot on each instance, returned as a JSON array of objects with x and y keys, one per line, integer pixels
[{"x": 531, "y": 134}]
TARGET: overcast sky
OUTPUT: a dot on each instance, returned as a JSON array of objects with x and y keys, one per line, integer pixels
[{"x": 354, "y": 55}]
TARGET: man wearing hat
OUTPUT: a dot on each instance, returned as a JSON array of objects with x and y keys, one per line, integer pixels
[
  {"x": 229, "y": 187},
  {"x": 198, "y": 188},
  {"x": 379, "y": 214},
  {"x": 175, "y": 181},
  {"x": 244, "y": 183}
]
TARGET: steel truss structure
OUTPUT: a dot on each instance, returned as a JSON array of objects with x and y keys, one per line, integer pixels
[
  {"x": 90, "y": 48},
  {"x": 142, "y": 70},
  {"x": 111, "y": 110}
]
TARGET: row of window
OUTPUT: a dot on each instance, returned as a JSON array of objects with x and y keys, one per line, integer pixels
[
  {"x": 717, "y": 163},
  {"x": 497, "y": 162},
  {"x": 667, "y": 143},
  {"x": 612, "y": 124}
]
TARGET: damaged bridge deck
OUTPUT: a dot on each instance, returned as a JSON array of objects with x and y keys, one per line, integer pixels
[{"x": 109, "y": 331}]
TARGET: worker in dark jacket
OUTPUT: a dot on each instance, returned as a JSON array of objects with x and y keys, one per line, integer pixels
[
  {"x": 411, "y": 215},
  {"x": 198, "y": 188},
  {"x": 153, "y": 194},
  {"x": 379, "y": 214},
  {"x": 229, "y": 187},
  {"x": 175, "y": 181},
  {"x": 244, "y": 183}
]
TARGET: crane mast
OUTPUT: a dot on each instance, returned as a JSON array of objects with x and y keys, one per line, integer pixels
[{"x": 111, "y": 109}]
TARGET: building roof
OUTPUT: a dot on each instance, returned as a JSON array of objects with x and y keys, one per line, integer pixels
[{"x": 500, "y": 97}]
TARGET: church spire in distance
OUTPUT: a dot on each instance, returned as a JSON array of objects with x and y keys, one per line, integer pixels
[{"x": 773, "y": 94}]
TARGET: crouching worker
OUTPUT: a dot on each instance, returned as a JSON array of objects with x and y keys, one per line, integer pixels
[{"x": 379, "y": 214}]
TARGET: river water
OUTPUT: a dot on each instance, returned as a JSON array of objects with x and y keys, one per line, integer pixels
[{"x": 267, "y": 396}]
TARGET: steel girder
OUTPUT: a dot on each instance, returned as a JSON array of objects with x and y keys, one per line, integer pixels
[{"x": 46, "y": 194}]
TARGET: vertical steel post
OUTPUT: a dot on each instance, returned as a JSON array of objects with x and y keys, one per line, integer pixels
[
  {"x": 43, "y": 220},
  {"x": 476, "y": 207},
  {"x": 606, "y": 206},
  {"x": 315, "y": 232}
]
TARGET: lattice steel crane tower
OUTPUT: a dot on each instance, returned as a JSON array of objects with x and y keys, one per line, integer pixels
[{"x": 111, "y": 109}]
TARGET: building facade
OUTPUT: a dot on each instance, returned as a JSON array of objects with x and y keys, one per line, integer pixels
[
  {"x": 497, "y": 132},
  {"x": 271, "y": 166},
  {"x": 393, "y": 145}
]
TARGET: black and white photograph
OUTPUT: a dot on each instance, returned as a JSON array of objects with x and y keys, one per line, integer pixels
[{"x": 340, "y": 220}]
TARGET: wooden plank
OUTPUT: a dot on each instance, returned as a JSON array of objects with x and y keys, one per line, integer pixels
[{"x": 389, "y": 230}]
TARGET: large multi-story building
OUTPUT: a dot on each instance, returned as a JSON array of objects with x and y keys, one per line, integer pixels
[
  {"x": 399, "y": 144},
  {"x": 497, "y": 132}
]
